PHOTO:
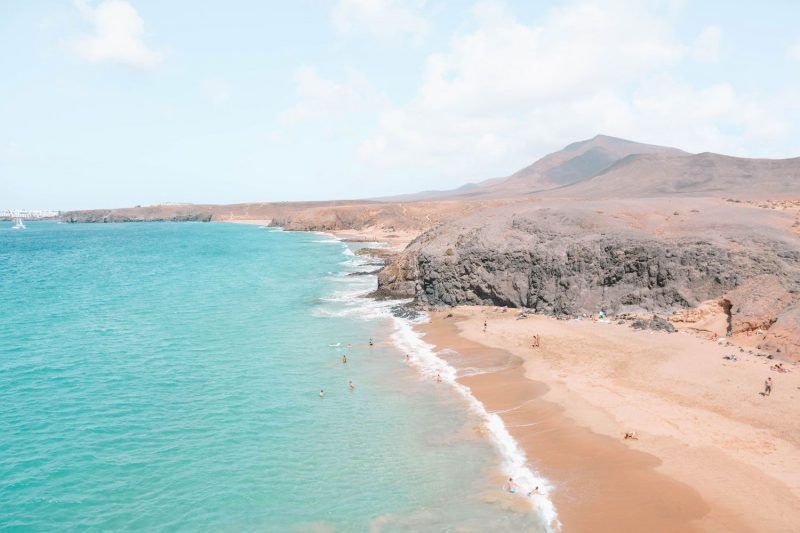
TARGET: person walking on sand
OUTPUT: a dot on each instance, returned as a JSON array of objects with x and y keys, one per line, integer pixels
[
  {"x": 484, "y": 326},
  {"x": 768, "y": 387}
]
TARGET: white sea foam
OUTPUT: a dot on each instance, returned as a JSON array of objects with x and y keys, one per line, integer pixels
[
  {"x": 514, "y": 462},
  {"x": 352, "y": 303}
]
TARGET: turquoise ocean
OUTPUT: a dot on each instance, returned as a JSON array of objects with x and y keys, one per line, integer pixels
[{"x": 166, "y": 376}]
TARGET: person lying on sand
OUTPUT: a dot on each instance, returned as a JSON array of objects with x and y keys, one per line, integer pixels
[
  {"x": 779, "y": 368},
  {"x": 510, "y": 486},
  {"x": 631, "y": 435}
]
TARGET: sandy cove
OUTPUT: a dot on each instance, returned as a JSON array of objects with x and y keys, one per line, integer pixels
[{"x": 713, "y": 454}]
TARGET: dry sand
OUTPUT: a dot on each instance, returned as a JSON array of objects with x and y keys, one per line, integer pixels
[{"x": 713, "y": 454}]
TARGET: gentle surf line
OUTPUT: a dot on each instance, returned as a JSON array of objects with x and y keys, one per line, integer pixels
[{"x": 425, "y": 360}]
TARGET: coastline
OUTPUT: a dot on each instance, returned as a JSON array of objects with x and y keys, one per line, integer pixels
[
  {"x": 712, "y": 454},
  {"x": 427, "y": 364}
]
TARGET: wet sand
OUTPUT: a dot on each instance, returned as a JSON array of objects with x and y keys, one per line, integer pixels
[{"x": 712, "y": 454}]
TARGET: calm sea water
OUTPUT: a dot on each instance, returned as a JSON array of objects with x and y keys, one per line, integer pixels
[{"x": 166, "y": 377}]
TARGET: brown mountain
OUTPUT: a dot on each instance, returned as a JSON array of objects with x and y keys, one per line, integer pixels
[
  {"x": 575, "y": 163},
  {"x": 706, "y": 174}
]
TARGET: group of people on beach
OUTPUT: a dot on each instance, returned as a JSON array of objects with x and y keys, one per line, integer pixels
[{"x": 350, "y": 384}]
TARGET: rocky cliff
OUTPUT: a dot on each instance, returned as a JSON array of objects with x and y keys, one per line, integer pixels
[{"x": 567, "y": 260}]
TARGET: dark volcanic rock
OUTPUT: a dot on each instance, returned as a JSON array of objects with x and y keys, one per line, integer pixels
[
  {"x": 656, "y": 323},
  {"x": 569, "y": 261}
]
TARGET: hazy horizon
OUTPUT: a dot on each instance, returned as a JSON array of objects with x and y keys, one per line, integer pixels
[{"x": 118, "y": 103}]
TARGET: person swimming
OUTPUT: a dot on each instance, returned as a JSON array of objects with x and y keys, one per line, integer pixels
[
  {"x": 510, "y": 486},
  {"x": 351, "y": 386},
  {"x": 370, "y": 342},
  {"x": 321, "y": 393},
  {"x": 344, "y": 359}
]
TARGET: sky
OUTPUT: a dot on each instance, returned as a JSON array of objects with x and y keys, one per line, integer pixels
[{"x": 112, "y": 103}]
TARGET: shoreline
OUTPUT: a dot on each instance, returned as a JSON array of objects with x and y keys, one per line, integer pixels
[
  {"x": 711, "y": 456},
  {"x": 427, "y": 363}
]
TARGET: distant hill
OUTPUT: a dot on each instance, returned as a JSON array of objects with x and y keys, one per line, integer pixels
[
  {"x": 575, "y": 163},
  {"x": 609, "y": 167},
  {"x": 706, "y": 174}
]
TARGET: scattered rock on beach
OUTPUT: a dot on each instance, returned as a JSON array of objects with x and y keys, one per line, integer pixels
[{"x": 656, "y": 323}]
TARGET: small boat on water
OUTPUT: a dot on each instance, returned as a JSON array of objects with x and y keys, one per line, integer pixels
[{"x": 18, "y": 223}]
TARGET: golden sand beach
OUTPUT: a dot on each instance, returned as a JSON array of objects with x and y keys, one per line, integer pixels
[{"x": 712, "y": 453}]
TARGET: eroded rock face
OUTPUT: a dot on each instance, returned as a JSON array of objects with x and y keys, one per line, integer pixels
[
  {"x": 573, "y": 261},
  {"x": 560, "y": 277}
]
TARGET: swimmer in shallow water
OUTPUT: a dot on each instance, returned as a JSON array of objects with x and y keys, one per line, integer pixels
[
  {"x": 344, "y": 359},
  {"x": 510, "y": 486},
  {"x": 535, "y": 492},
  {"x": 351, "y": 386},
  {"x": 370, "y": 342},
  {"x": 438, "y": 377},
  {"x": 321, "y": 393}
]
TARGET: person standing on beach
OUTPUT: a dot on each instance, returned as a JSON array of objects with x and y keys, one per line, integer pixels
[
  {"x": 768, "y": 387},
  {"x": 484, "y": 326}
]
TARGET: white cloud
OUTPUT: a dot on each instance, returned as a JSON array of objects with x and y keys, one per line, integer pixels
[
  {"x": 707, "y": 46},
  {"x": 116, "y": 37},
  {"x": 507, "y": 92},
  {"x": 497, "y": 85},
  {"x": 320, "y": 98},
  {"x": 380, "y": 18}
]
